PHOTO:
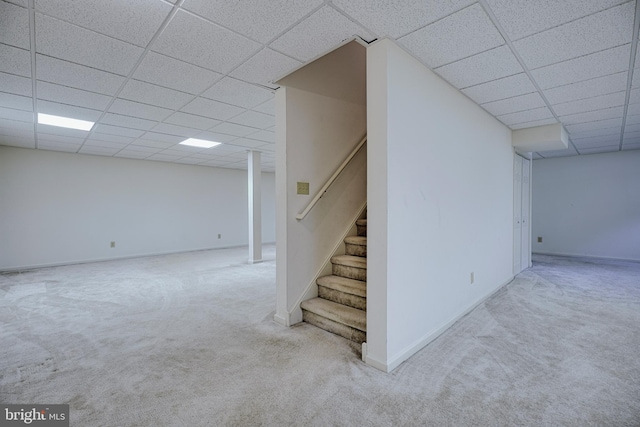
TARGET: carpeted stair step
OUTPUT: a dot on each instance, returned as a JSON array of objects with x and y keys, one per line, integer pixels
[
  {"x": 348, "y": 322},
  {"x": 356, "y": 245},
  {"x": 361, "y": 225},
  {"x": 342, "y": 290},
  {"x": 349, "y": 266}
]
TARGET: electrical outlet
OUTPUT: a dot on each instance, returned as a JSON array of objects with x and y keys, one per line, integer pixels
[
  {"x": 219, "y": 236},
  {"x": 539, "y": 239},
  {"x": 471, "y": 277},
  {"x": 113, "y": 244}
]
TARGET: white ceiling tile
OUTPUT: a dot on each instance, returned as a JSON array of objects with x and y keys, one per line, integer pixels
[
  {"x": 15, "y": 84},
  {"x": 15, "y": 61},
  {"x": 217, "y": 49},
  {"x": 104, "y": 144},
  {"x": 19, "y": 115},
  {"x": 23, "y": 3},
  {"x": 521, "y": 18},
  {"x": 320, "y": 32},
  {"x": 268, "y": 148},
  {"x": 65, "y": 110},
  {"x": 590, "y": 104},
  {"x": 175, "y": 74},
  {"x": 14, "y": 21},
  {"x": 462, "y": 34},
  {"x": 236, "y": 92},
  {"x": 246, "y": 142},
  {"x": 162, "y": 137},
  {"x": 491, "y": 65},
  {"x": 96, "y": 136},
  {"x": 586, "y": 67},
  {"x": 127, "y": 122},
  {"x": 628, "y": 136},
  {"x": 525, "y": 116},
  {"x": 143, "y": 149},
  {"x": 66, "y": 41},
  {"x": 21, "y": 133},
  {"x": 136, "y": 109},
  {"x": 588, "y": 88},
  {"x": 256, "y": 19},
  {"x": 216, "y": 136},
  {"x": 233, "y": 129},
  {"x": 68, "y": 95},
  {"x": 129, "y": 154},
  {"x": 188, "y": 161},
  {"x": 115, "y": 130},
  {"x": 593, "y": 116},
  {"x": 635, "y": 146},
  {"x": 265, "y": 67},
  {"x": 148, "y": 93},
  {"x": 151, "y": 145},
  {"x": 17, "y": 102},
  {"x": 598, "y": 141},
  {"x": 632, "y": 120},
  {"x": 515, "y": 104},
  {"x": 631, "y": 128},
  {"x": 396, "y": 18},
  {"x": 98, "y": 151},
  {"x": 634, "y": 96},
  {"x": 507, "y": 87},
  {"x": 134, "y": 21},
  {"x": 63, "y": 132},
  {"x": 58, "y": 146},
  {"x": 254, "y": 119},
  {"x": 268, "y": 107},
  {"x": 68, "y": 74},
  {"x": 533, "y": 123},
  {"x": 175, "y": 130},
  {"x": 264, "y": 135},
  {"x": 604, "y": 30},
  {"x": 600, "y": 149},
  {"x": 635, "y": 80},
  {"x": 633, "y": 109},
  {"x": 592, "y": 126},
  {"x": 191, "y": 120},
  {"x": 212, "y": 109},
  {"x": 18, "y": 125},
  {"x": 606, "y": 131},
  {"x": 16, "y": 141},
  {"x": 66, "y": 139}
]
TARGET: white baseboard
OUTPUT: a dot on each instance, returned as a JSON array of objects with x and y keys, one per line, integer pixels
[
  {"x": 280, "y": 320},
  {"x": 572, "y": 255},
  {"x": 418, "y": 345}
]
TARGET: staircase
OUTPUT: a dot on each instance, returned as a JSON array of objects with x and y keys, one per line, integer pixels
[{"x": 342, "y": 297}]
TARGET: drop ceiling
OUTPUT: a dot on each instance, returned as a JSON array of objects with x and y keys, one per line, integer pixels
[{"x": 152, "y": 73}]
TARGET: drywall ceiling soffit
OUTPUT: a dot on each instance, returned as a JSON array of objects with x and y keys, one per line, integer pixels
[{"x": 153, "y": 72}]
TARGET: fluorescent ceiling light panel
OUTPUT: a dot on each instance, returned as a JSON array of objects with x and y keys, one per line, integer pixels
[
  {"x": 192, "y": 142},
  {"x": 64, "y": 122}
]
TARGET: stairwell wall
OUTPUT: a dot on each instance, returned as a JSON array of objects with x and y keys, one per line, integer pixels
[{"x": 440, "y": 205}]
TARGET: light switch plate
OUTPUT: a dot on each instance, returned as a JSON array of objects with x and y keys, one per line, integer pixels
[{"x": 303, "y": 188}]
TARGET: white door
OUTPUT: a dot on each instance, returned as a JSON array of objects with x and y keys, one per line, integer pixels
[
  {"x": 517, "y": 214},
  {"x": 526, "y": 225}
]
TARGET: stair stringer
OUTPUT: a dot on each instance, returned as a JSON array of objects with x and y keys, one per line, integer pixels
[{"x": 311, "y": 291}]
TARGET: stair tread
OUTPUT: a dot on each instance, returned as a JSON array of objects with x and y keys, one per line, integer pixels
[
  {"x": 361, "y": 222},
  {"x": 350, "y": 261},
  {"x": 356, "y": 240},
  {"x": 349, "y": 316},
  {"x": 343, "y": 284}
]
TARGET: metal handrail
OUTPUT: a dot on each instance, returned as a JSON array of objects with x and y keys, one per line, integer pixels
[{"x": 326, "y": 186}]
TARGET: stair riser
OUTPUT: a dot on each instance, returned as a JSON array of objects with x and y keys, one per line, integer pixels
[
  {"x": 350, "y": 272},
  {"x": 362, "y": 230},
  {"x": 334, "y": 327},
  {"x": 343, "y": 298},
  {"x": 357, "y": 250}
]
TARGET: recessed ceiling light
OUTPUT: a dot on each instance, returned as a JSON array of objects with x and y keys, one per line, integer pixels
[
  {"x": 64, "y": 122},
  {"x": 192, "y": 142}
]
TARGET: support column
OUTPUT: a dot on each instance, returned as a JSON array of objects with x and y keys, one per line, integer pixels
[{"x": 255, "y": 207}]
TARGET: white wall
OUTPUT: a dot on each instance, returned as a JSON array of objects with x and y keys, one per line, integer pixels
[
  {"x": 58, "y": 208},
  {"x": 440, "y": 205},
  {"x": 588, "y": 205},
  {"x": 315, "y": 132}
]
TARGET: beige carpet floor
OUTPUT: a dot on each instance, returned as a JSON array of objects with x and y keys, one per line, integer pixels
[{"x": 188, "y": 340}]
